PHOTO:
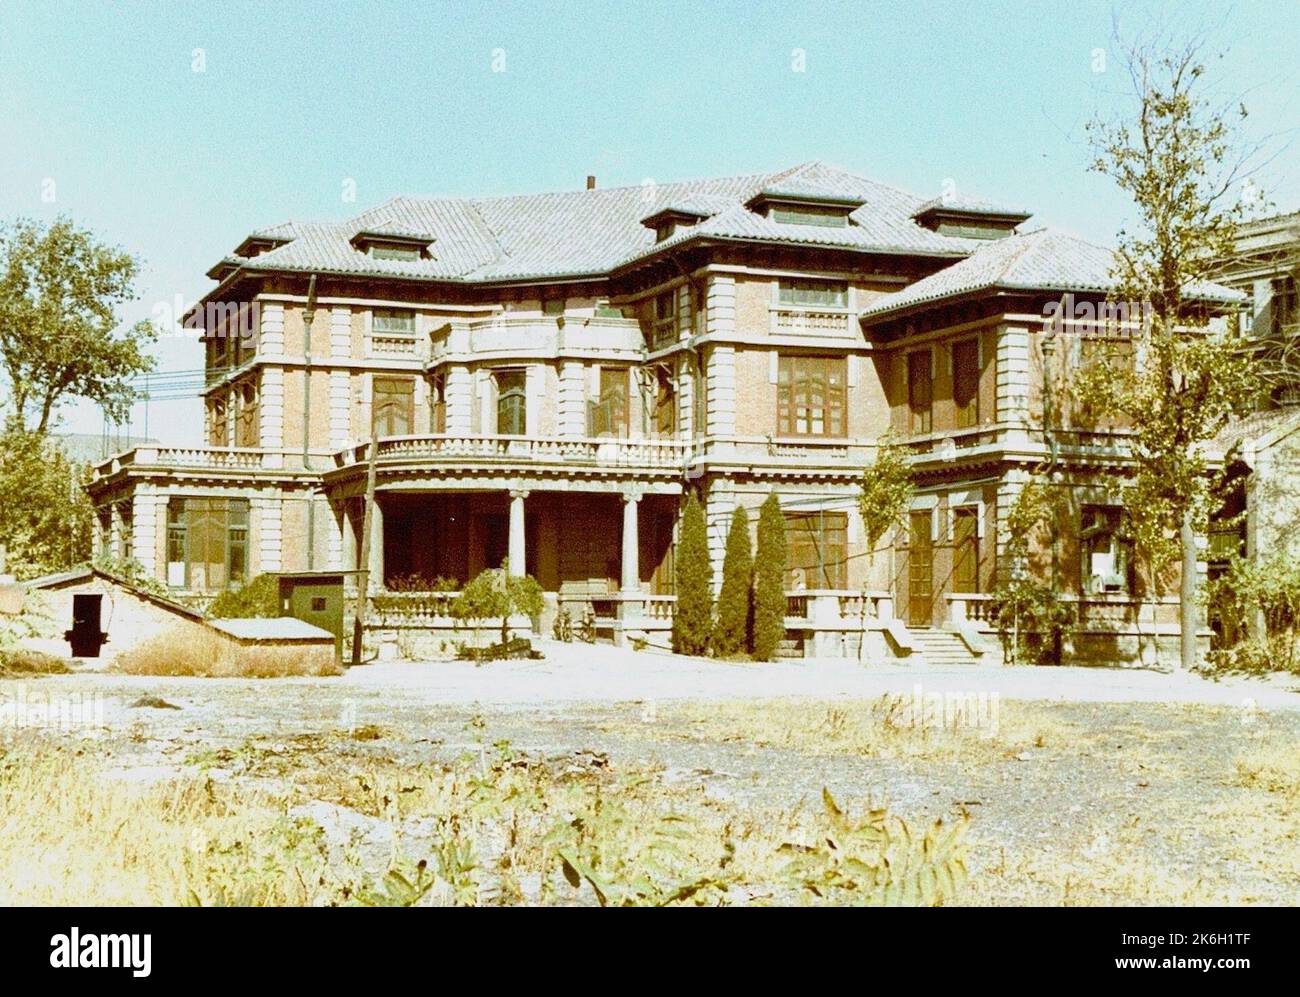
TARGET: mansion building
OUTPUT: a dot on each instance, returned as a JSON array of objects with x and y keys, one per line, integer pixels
[{"x": 548, "y": 375}]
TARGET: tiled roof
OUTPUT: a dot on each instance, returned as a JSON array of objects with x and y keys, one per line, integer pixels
[
  {"x": 1042, "y": 260},
  {"x": 593, "y": 232},
  {"x": 1256, "y": 431},
  {"x": 969, "y": 206}
]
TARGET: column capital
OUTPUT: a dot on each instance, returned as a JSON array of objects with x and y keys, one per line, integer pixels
[
  {"x": 519, "y": 493},
  {"x": 633, "y": 494}
]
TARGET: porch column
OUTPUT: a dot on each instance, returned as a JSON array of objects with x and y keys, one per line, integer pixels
[
  {"x": 349, "y": 533},
  {"x": 376, "y": 551},
  {"x": 631, "y": 580},
  {"x": 517, "y": 553}
]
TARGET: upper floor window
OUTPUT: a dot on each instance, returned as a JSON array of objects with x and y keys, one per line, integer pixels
[
  {"x": 553, "y": 306},
  {"x": 512, "y": 402},
  {"x": 246, "y": 413},
  {"x": 608, "y": 412},
  {"x": 664, "y": 327},
  {"x": 920, "y": 391},
  {"x": 817, "y": 546},
  {"x": 393, "y": 406},
  {"x": 811, "y": 396},
  {"x": 1284, "y": 306},
  {"x": 393, "y": 322},
  {"x": 1104, "y": 554},
  {"x": 814, "y": 293},
  {"x": 665, "y": 416},
  {"x": 438, "y": 403},
  {"x": 966, "y": 382},
  {"x": 218, "y": 431}
]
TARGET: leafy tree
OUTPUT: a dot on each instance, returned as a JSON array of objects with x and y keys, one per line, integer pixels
[
  {"x": 60, "y": 291},
  {"x": 497, "y": 593},
  {"x": 769, "y": 580},
  {"x": 731, "y": 634},
  {"x": 1182, "y": 382},
  {"x": 887, "y": 492},
  {"x": 693, "y": 614},
  {"x": 259, "y": 598},
  {"x": 45, "y": 514}
]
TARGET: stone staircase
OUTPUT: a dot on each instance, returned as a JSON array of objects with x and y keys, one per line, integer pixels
[{"x": 942, "y": 647}]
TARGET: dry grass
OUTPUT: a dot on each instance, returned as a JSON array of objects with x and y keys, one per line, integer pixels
[
  {"x": 488, "y": 829},
  {"x": 201, "y": 652},
  {"x": 892, "y": 726},
  {"x": 1273, "y": 767}
]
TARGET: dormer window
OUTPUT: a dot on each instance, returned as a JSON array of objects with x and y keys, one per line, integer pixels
[
  {"x": 803, "y": 214},
  {"x": 668, "y": 220},
  {"x": 393, "y": 251},
  {"x": 792, "y": 208},
  {"x": 390, "y": 243},
  {"x": 969, "y": 219}
]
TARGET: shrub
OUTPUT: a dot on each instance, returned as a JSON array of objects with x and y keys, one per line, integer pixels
[
  {"x": 259, "y": 598},
  {"x": 196, "y": 650},
  {"x": 131, "y": 571},
  {"x": 24, "y": 661},
  {"x": 731, "y": 635},
  {"x": 497, "y": 593},
  {"x": 693, "y": 615},
  {"x": 1032, "y": 621},
  {"x": 769, "y": 580}
]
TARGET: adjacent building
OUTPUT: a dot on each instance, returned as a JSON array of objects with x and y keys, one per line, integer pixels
[{"x": 547, "y": 375}]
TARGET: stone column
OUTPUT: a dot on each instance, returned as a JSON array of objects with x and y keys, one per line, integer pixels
[
  {"x": 631, "y": 581},
  {"x": 518, "y": 554},
  {"x": 349, "y": 536},
  {"x": 376, "y": 545}
]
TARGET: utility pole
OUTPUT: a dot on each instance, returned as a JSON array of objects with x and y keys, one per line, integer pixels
[
  {"x": 308, "y": 317},
  {"x": 363, "y": 574}
]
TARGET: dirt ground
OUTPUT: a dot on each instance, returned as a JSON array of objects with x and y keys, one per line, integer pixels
[{"x": 1076, "y": 786}]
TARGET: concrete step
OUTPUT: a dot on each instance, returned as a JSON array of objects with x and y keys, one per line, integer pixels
[{"x": 941, "y": 647}]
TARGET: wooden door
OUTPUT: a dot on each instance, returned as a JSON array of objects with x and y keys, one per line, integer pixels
[{"x": 920, "y": 570}]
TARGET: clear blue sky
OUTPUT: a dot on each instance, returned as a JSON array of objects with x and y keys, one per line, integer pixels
[{"x": 294, "y": 99}]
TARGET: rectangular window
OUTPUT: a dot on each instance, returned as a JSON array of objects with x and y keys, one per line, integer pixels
[
  {"x": 207, "y": 543},
  {"x": 920, "y": 391},
  {"x": 817, "y": 548},
  {"x": 1104, "y": 555},
  {"x": 811, "y": 396},
  {"x": 665, "y": 419},
  {"x": 699, "y": 399},
  {"x": 965, "y": 550},
  {"x": 663, "y": 331},
  {"x": 246, "y": 415},
  {"x": 512, "y": 402},
  {"x": 553, "y": 306},
  {"x": 966, "y": 382},
  {"x": 392, "y": 251},
  {"x": 813, "y": 293},
  {"x": 438, "y": 403},
  {"x": 218, "y": 431},
  {"x": 607, "y": 414},
  {"x": 605, "y": 310},
  {"x": 393, "y": 322},
  {"x": 809, "y": 215},
  {"x": 393, "y": 406}
]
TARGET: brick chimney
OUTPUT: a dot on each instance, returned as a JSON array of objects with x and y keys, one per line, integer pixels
[{"x": 591, "y": 182}]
